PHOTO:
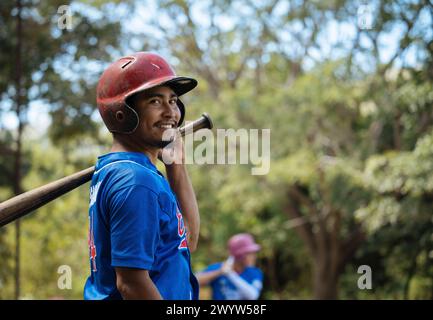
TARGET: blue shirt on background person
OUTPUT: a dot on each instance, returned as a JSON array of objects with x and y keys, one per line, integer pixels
[
  {"x": 223, "y": 288},
  {"x": 237, "y": 278}
]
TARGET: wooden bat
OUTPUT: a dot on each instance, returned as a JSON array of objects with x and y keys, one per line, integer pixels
[{"x": 26, "y": 202}]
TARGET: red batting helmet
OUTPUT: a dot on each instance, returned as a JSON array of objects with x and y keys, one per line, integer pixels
[
  {"x": 241, "y": 244},
  {"x": 130, "y": 75}
]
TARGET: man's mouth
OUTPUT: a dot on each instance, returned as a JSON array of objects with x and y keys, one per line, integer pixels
[{"x": 166, "y": 125}]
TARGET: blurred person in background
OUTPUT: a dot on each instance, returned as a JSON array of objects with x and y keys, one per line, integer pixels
[{"x": 237, "y": 278}]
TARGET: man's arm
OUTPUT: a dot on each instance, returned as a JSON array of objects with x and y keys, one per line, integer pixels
[
  {"x": 248, "y": 291},
  {"x": 181, "y": 185},
  {"x": 206, "y": 277},
  {"x": 173, "y": 157},
  {"x": 135, "y": 284},
  {"x": 134, "y": 237}
]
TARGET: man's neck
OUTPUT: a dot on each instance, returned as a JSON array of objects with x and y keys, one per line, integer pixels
[
  {"x": 238, "y": 267},
  {"x": 150, "y": 152}
]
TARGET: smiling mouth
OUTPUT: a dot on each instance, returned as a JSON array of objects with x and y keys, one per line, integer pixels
[{"x": 166, "y": 125}]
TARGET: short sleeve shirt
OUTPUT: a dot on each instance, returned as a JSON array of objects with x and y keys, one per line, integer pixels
[
  {"x": 224, "y": 289},
  {"x": 135, "y": 222}
]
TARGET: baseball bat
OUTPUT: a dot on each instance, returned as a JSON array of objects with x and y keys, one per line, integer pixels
[{"x": 26, "y": 202}]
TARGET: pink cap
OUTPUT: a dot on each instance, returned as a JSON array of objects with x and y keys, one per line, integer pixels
[{"x": 241, "y": 244}]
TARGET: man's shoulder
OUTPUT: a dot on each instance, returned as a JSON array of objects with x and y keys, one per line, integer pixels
[{"x": 126, "y": 173}]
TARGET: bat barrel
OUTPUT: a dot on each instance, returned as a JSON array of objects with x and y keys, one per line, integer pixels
[{"x": 26, "y": 202}]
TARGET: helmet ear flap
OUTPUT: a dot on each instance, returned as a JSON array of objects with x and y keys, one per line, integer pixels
[
  {"x": 121, "y": 119},
  {"x": 182, "y": 111}
]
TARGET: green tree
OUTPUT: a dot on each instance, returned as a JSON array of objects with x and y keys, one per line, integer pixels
[{"x": 58, "y": 69}]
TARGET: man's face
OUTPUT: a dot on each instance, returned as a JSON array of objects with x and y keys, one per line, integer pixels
[
  {"x": 158, "y": 111},
  {"x": 249, "y": 259}
]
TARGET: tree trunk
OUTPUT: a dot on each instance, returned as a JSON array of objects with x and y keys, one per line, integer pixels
[
  {"x": 329, "y": 251},
  {"x": 325, "y": 285},
  {"x": 17, "y": 165}
]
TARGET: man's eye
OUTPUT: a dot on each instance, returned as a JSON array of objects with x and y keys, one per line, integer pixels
[
  {"x": 155, "y": 101},
  {"x": 173, "y": 101}
]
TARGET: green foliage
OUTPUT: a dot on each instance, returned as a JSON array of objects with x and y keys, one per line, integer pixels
[
  {"x": 350, "y": 132},
  {"x": 53, "y": 235}
]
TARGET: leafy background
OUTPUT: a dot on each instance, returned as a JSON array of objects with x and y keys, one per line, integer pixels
[{"x": 345, "y": 87}]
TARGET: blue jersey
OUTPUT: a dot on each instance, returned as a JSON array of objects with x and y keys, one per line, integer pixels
[
  {"x": 224, "y": 289},
  {"x": 135, "y": 222}
]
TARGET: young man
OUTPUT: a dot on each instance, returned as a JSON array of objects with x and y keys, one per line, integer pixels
[
  {"x": 139, "y": 245},
  {"x": 237, "y": 278}
]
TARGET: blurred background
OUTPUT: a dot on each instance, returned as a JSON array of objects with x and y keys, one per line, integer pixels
[{"x": 345, "y": 86}]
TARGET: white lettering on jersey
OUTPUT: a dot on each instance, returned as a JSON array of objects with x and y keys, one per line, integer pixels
[{"x": 93, "y": 193}]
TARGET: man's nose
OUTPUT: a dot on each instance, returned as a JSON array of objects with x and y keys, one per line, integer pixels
[{"x": 171, "y": 110}]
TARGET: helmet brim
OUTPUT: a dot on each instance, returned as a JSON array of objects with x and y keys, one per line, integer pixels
[
  {"x": 252, "y": 248},
  {"x": 249, "y": 249},
  {"x": 180, "y": 86}
]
